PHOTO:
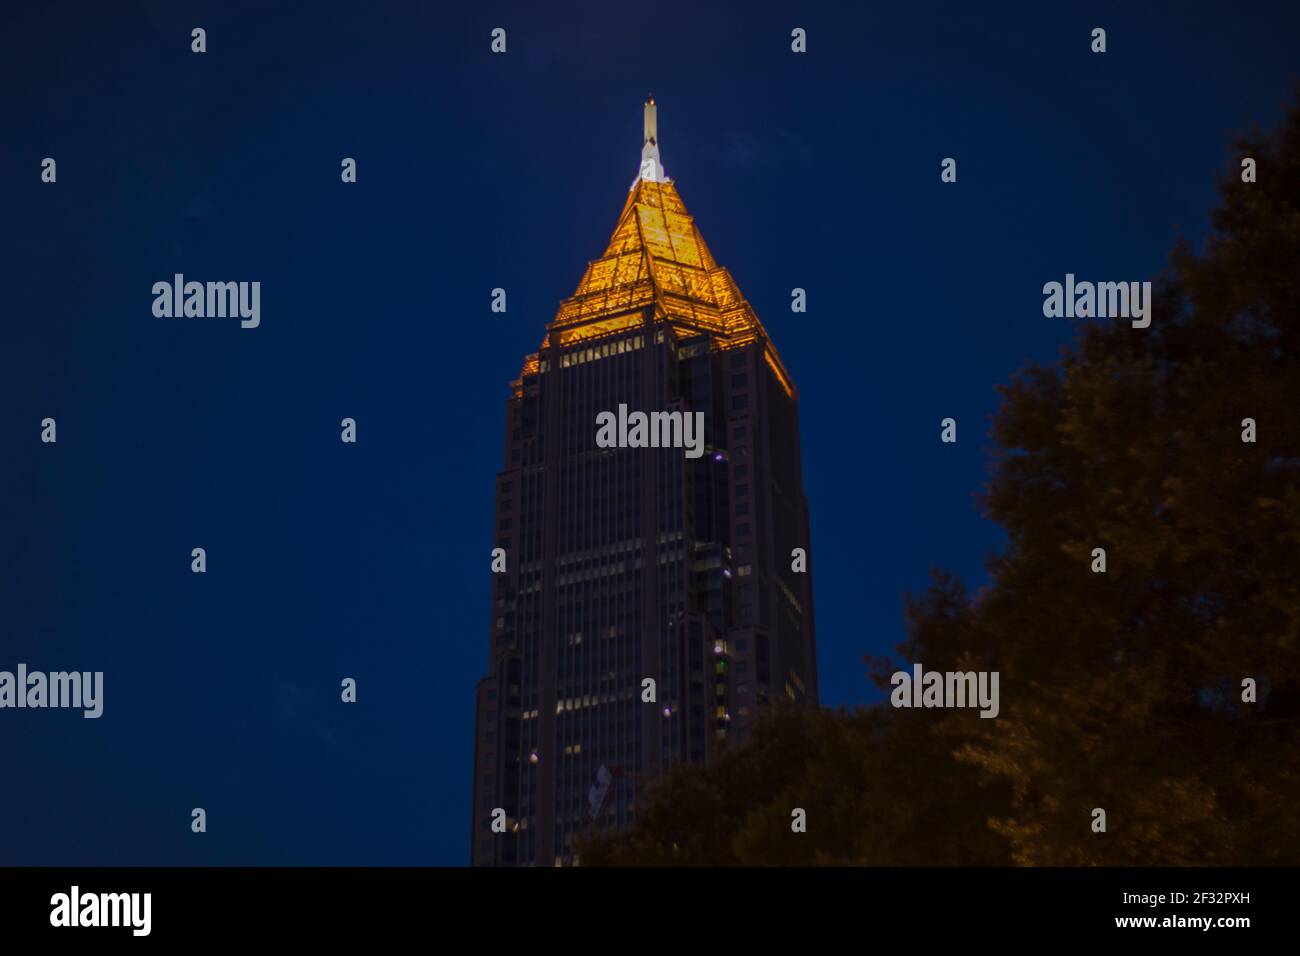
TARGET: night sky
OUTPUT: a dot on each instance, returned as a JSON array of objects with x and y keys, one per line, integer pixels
[{"x": 475, "y": 171}]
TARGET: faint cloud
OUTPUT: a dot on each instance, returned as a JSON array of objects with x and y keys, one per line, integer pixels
[
  {"x": 773, "y": 147},
  {"x": 199, "y": 208},
  {"x": 294, "y": 704},
  {"x": 546, "y": 48}
]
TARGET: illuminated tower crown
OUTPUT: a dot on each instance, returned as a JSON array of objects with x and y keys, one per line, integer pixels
[{"x": 657, "y": 258}]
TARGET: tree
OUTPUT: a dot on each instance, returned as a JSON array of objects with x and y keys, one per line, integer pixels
[
  {"x": 1123, "y": 690},
  {"x": 876, "y": 789}
]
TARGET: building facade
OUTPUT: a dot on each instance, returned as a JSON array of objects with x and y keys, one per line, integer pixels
[{"x": 645, "y": 603}]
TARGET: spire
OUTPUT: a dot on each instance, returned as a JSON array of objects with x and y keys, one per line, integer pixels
[
  {"x": 651, "y": 168},
  {"x": 651, "y": 125},
  {"x": 656, "y": 264}
]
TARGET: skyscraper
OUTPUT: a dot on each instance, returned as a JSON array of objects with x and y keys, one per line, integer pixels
[{"x": 646, "y": 601}]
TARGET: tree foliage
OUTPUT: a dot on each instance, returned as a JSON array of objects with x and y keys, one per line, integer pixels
[{"x": 877, "y": 787}]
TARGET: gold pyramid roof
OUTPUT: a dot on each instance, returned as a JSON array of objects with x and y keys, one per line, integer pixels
[{"x": 657, "y": 258}]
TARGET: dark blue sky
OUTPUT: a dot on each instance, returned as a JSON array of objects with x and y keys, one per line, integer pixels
[{"x": 371, "y": 561}]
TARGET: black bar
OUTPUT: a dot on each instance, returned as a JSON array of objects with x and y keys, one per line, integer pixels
[{"x": 489, "y": 908}]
